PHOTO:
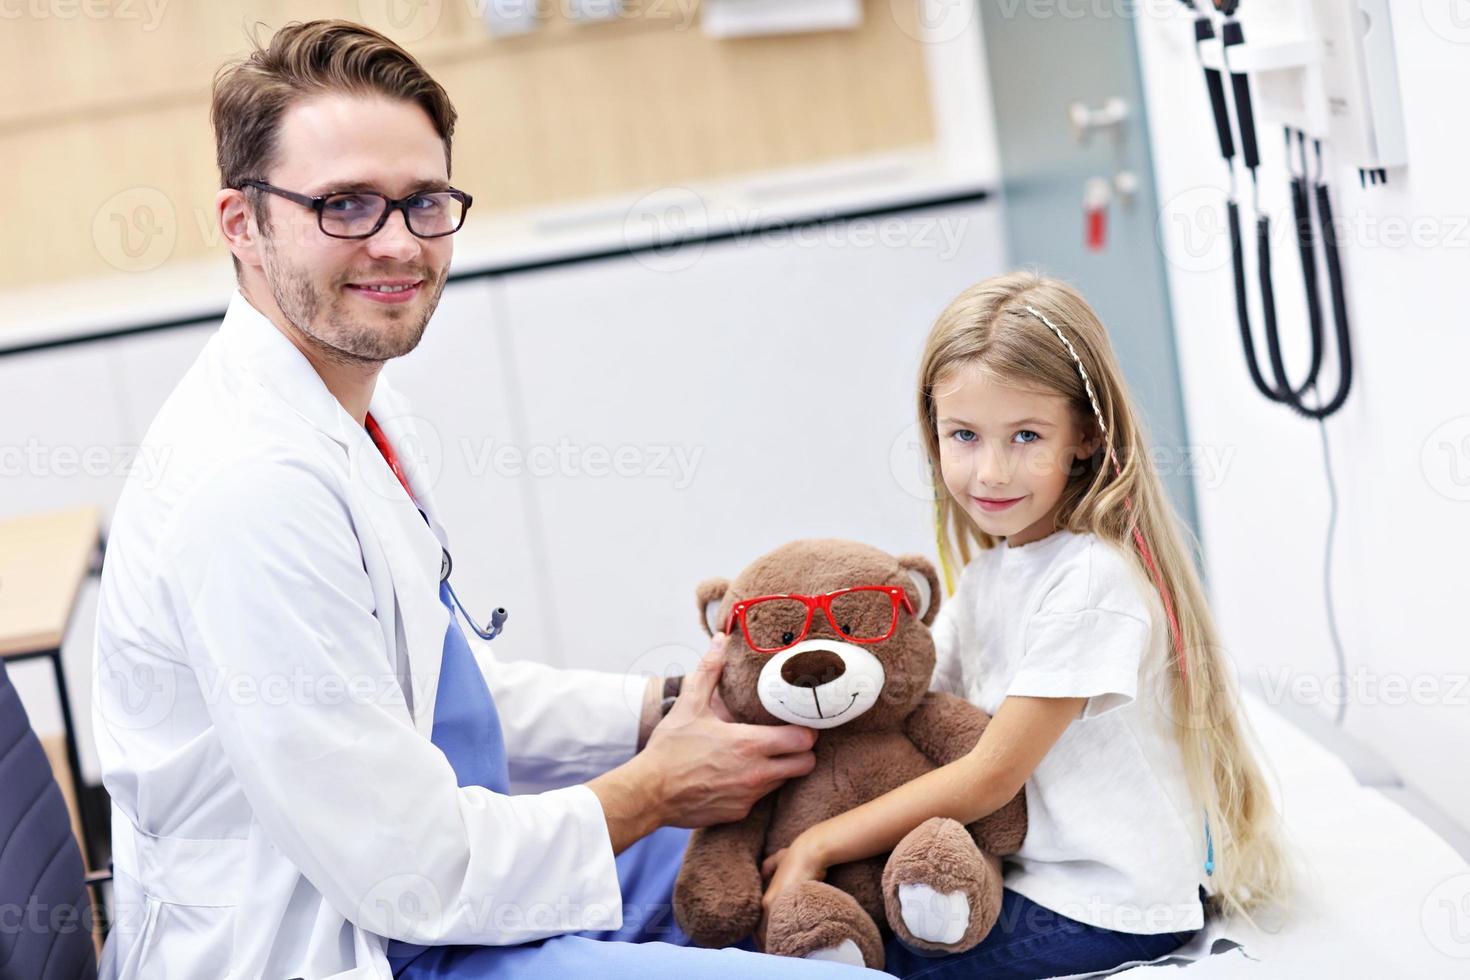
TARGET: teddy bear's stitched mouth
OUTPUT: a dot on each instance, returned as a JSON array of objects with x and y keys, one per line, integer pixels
[{"x": 820, "y": 716}]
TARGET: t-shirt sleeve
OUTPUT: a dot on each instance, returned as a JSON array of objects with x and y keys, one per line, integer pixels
[
  {"x": 948, "y": 667},
  {"x": 1092, "y": 653}
]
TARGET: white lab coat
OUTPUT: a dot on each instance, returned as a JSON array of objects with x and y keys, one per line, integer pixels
[{"x": 268, "y": 643}]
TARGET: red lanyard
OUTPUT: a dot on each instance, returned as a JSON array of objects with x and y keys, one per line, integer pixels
[{"x": 381, "y": 441}]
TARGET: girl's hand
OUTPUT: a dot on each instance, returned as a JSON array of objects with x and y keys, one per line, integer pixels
[{"x": 788, "y": 868}]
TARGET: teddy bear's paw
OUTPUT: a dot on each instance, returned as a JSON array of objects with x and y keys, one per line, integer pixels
[
  {"x": 844, "y": 952},
  {"x": 933, "y": 916},
  {"x": 815, "y": 920},
  {"x": 940, "y": 893}
]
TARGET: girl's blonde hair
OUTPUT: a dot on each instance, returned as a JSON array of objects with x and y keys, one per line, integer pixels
[{"x": 989, "y": 327}]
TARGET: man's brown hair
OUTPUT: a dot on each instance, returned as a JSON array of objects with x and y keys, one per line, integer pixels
[{"x": 302, "y": 60}]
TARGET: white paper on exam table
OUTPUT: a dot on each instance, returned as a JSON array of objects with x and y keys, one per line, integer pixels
[{"x": 1371, "y": 867}]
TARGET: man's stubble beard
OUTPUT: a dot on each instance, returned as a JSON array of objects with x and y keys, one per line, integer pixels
[{"x": 340, "y": 337}]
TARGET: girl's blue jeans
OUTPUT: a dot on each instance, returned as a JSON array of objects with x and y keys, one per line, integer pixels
[{"x": 1029, "y": 941}]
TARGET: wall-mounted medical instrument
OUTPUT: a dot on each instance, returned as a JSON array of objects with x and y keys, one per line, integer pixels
[{"x": 1326, "y": 75}]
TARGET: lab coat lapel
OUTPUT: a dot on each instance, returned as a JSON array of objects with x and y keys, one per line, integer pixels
[
  {"x": 416, "y": 443},
  {"x": 263, "y": 355},
  {"x": 415, "y": 548},
  {"x": 410, "y": 547}
]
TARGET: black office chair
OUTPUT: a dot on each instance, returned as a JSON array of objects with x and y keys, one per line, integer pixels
[{"x": 45, "y": 907}]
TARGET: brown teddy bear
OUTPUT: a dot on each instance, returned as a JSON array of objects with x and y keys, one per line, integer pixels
[{"x": 834, "y": 635}]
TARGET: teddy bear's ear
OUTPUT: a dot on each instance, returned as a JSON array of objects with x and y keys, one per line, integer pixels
[
  {"x": 926, "y": 583},
  {"x": 710, "y": 593}
]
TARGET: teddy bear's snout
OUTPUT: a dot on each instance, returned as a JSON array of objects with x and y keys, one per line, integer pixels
[
  {"x": 821, "y": 683},
  {"x": 813, "y": 668}
]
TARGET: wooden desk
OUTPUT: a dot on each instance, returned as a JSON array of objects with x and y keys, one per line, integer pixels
[{"x": 44, "y": 559}]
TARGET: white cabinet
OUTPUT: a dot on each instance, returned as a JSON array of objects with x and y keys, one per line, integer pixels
[
  {"x": 607, "y": 433},
  {"x": 690, "y": 419}
]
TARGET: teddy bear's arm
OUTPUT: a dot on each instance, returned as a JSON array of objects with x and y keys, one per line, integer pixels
[
  {"x": 717, "y": 896},
  {"x": 945, "y": 728}
]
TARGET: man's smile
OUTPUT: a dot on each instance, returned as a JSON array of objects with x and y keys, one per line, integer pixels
[{"x": 387, "y": 290}]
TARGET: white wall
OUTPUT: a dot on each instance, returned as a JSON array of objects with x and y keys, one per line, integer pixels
[{"x": 1401, "y": 446}]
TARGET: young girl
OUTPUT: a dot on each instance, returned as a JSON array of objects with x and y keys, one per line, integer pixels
[{"x": 1081, "y": 627}]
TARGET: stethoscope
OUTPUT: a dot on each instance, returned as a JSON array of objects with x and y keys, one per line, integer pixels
[
  {"x": 446, "y": 564},
  {"x": 1233, "y": 35},
  {"x": 497, "y": 618}
]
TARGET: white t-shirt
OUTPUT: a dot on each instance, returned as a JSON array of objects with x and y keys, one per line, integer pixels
[{"x": 1113, "y": 839}]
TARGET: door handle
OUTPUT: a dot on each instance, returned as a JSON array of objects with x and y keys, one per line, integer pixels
[{"x": 1085, "y": 120}]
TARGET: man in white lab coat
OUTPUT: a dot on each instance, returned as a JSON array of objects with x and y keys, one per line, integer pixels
[{"x": 275, "y": 720}]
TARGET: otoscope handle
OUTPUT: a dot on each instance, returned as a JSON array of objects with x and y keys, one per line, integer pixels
[
  {"x": 1231, "y": 36},
  {"x": 1204, "y": 30}
]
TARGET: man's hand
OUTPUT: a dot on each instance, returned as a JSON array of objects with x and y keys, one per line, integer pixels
[
  {"x": 651, "y": 712},
  {"x": 699, "y": 769}
]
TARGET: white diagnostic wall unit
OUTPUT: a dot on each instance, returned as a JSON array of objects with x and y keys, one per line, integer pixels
[
  {"x": 1327, "y": 67},
  {"x": 1360, "y": 82}
]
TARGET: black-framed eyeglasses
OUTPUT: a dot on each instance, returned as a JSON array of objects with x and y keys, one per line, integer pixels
[{"x": 361, "y": 214}]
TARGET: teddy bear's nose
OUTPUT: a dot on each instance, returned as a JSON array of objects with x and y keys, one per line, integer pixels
[{"x": 812, "y": 668}]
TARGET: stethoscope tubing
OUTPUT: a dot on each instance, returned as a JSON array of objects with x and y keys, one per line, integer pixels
[{"x": 497, "y": 617}]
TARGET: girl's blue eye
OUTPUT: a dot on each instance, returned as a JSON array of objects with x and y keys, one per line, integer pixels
[
  {"x": 1027, "y": 432},
  {"x": 963, "y": 435}
]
